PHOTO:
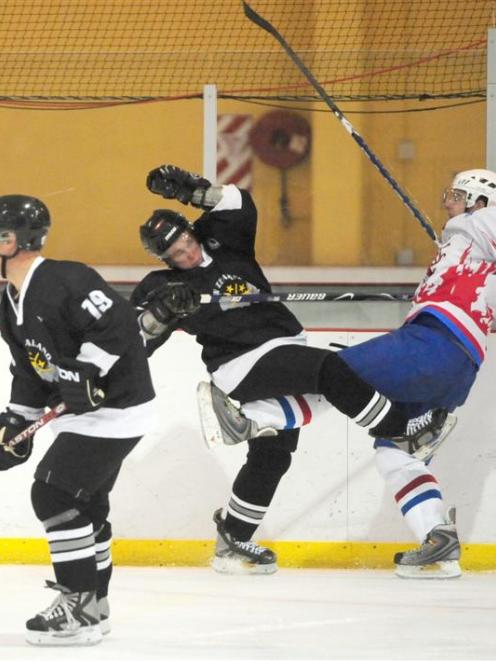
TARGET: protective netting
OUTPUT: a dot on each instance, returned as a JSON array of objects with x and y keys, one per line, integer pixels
[{"x": 125, "y": 50}]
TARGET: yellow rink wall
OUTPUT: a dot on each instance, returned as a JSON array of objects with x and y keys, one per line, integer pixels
[
  {"x": 296, "y": 555},
  {"x": 89, "y": 166}
]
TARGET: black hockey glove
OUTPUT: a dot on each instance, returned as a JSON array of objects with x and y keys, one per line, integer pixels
[
  {"x": 173, "y": 183},
  {"x": 172, "y": 301},
  {"x": 78, "y": 386},
  {"x": 12, "y": 424}
]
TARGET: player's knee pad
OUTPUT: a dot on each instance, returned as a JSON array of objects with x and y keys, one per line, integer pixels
[
  {"x": 49, "y": 501},
  {"x": 98, "y": 510},
  {"x": 103, "y": 532},
  {"x": 341, "y": 386},
  {"x": 331, "y": 371}
]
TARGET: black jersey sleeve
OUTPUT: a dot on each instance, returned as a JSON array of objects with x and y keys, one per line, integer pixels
[
  {"x": 143, "y": 291},
  {"x": 235, "y": 229},
  {"x": 141, "y": 295}
]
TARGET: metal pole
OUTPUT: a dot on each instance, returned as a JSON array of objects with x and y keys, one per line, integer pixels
[
  {"x": 491, "y": 100},
  {"x": 210, "y": 132}
]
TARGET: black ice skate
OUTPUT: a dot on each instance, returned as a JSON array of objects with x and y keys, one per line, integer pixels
[
  {"x": 233, "y": 556},
  {"x": 72, "y": 619},
  {"x": 437, "y": 557},
  {"x": 222, "y": 422},
  {"x": 425, "y": 433}
]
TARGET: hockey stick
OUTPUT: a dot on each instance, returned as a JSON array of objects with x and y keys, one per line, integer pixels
[
  {"x": 252, "y": 15},
  {"x": 301, "y": 297},
  {"x": 34, "y": 426}
]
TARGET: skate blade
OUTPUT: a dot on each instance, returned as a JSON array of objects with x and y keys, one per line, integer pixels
[
  {"x": 237, "y": 567},
  {"x": 426, "y": 452},
  {"x": 81, "y": 638},
  {"x": 439, "y": 570},
  {"x": 105, "y": 625},
  {"x": 211, "y": 431}
]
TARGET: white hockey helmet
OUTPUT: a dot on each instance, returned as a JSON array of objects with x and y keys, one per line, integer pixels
[{"x": 476, "y": 183}]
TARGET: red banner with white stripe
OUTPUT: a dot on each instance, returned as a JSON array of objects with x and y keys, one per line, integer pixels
[{"x": 234, "y": 152}]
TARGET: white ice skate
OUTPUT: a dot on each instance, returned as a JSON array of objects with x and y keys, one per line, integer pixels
[
  {"x": 104, "y": 613},
  {"x": 437, "y": 557},
  {"x": 222, "y": 422},
  {"x": 71, "y": 620}
]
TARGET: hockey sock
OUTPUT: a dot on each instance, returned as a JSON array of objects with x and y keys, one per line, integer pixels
[
  {"x": 72, "y": 550},
  {"x": 351, "y": 395},
  {"x": 243, "y": 518},
  {"x": 103, "y": 543},
  {"x": 414, "y": 488},
  {"x": 70, "y": 536},
  {"x": 254, "y": 488}
]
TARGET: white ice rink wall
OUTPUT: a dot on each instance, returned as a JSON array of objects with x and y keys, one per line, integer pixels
[{"x": 331, "y": 502}]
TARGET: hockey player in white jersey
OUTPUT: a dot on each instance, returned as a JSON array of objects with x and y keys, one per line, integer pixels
[
  {"x": 431, "y": 361},
  {"x": 73, "y": 340},
  {"x": 252, "y": 351}
]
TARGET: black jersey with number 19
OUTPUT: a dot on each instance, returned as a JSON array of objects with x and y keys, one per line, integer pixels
[{"x": 66, "y": 310}]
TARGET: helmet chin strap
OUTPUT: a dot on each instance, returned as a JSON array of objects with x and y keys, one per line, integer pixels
[{"x": 3, "y": 267}]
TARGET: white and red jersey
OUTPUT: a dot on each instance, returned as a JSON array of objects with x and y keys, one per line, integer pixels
[{"x": 459, "y": 287}]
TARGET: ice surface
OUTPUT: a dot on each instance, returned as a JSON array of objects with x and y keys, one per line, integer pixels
[{"x": 188, "y": 613}]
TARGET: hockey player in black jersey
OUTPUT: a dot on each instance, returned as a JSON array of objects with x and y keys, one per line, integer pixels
[
  {"x": 72, "y": 340},
  {"x": 252, "y": 351}
]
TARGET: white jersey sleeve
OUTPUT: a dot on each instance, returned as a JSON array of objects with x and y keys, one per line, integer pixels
[{"x": 460, "y": 285}]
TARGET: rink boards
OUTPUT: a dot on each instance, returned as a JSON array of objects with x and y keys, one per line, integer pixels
[{"x": 331, "y": 509}]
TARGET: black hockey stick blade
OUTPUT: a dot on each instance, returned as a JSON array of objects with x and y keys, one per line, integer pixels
[{"x": 253, "y": 16}]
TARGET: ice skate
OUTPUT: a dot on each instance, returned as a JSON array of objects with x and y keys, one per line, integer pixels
[
  {"x": 233, "y": 556},
  {"x": 425, "y": 433},
  {"x": 437, "y": 557},
  {"x": 222, "y": 422},
  {"x": 104, "y": 613},
  {"x": 72, "y": 620}
]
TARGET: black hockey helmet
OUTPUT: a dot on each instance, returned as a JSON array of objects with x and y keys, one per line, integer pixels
[
  {"x": 162, "y": 229},
  {"x": 27, "y": 217}
]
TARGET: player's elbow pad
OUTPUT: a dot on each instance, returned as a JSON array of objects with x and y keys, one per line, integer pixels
[{"x": 207, "y": 198}]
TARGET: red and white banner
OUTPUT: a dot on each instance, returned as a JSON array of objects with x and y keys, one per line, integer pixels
[{"x": 234, "y": 152}]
